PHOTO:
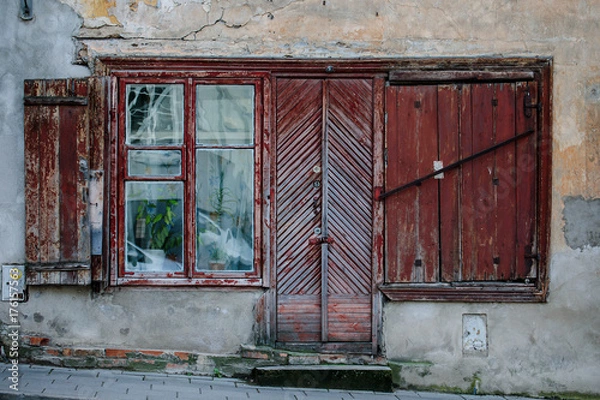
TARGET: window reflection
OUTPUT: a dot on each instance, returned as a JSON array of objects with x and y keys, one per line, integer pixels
[
  {"x": 154, "y": 114},
  {"x": 225, "y": 114},
  {"x": 225, "y": 214},
  {"x": 154, "y": 162}
]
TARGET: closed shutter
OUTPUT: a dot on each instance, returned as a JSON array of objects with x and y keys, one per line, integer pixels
[
  {"x": 57, "y": 242},
  {"x": 476, "y": 222}
]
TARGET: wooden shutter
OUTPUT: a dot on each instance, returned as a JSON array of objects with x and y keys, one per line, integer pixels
[
  {"x": 478, "y": 223},
  {"x": 57, "y": 242}
]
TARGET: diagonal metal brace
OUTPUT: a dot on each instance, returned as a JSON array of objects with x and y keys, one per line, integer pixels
[{"x": 417, "y": 182}]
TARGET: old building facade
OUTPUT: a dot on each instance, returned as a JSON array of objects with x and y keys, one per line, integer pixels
[{"x": 192, "y": 184}]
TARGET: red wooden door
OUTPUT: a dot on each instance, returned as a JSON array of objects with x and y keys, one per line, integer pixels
[{"x": 324, "y": 211}]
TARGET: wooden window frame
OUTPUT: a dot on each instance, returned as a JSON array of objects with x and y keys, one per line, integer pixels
[
  {"x": 189, "y": 276},
  {"x": 493, "y": 291}
]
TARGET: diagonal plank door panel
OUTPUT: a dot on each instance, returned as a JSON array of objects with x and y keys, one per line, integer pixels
[
  {"x": 350, "y": 188},
  {"x": 324, "y": 290},
  {"x": 299, "y": 137}
]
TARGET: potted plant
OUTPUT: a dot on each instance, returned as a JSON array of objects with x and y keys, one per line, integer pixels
[
  {"x": 218, "y": 258},
  {"x": 159, "y": 217},
  {"x": 221, "y": 199}
]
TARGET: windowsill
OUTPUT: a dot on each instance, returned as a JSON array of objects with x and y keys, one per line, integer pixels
[
  {"x": 178, "y": 282},
  {"x": 470, "y": 292}
]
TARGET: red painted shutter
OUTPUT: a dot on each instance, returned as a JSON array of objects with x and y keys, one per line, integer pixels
[
  {"x": 478, "y": 222},
  {"x": 57, "y": 242}
]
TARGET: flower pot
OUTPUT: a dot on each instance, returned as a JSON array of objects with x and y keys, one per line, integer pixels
[{"x": 217, "y": 265}]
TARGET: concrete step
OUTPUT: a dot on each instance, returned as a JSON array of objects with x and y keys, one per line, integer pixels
[
  {"x": 349, "y": 377},
  {"x": 284, "y": 357}
]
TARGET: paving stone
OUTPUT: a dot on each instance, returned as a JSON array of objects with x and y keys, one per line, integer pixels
[{"x": 50, "y": 382}]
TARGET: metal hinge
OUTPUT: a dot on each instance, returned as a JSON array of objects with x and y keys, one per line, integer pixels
[{"x": 527, "y": 106}]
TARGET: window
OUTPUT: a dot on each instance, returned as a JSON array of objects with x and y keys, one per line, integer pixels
[
  {"x": 466, "y": 195},
  {"x": 187, "y": 184}
]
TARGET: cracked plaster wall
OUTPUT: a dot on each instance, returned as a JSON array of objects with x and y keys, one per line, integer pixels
[{"x": 532, "y": 347}]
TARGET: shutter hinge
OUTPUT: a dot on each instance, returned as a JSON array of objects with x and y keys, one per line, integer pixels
[{"x": 527, "y": 106}]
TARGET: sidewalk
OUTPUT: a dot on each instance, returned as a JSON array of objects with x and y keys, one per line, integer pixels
[{"x": 45, "y": 383}]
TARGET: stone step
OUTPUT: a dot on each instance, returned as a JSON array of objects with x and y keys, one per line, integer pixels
[
  {"x": 349, "y": 377},
  {"x": 284, "y": 357}
]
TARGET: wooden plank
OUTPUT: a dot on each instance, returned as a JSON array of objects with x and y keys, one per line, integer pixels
[
  {"x": 49, "y": 184},
  {"x": 505, "y": 184},
  {"x": 299, "y": 318},
  {"x": 467, "y": 188},
  {"x": 483, "y": 137},
  {"x": 349, "y": 317},
  {"x": 427, "y": 198},
  {"x": 424, "y": 77},
  {"x": 526, "y": 194},
  {"x": 402, "y": 167},
  {"x": 32, "y": 130},
  {"x": 449, "y": 97},
  {"x": 393, "y": 266},
  {"x": 378, "y": 259}
]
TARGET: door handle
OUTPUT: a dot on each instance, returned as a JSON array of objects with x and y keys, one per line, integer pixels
[{"x": 321, "y": 240}]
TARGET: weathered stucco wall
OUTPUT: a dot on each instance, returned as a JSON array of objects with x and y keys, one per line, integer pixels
[
  {"x": 532, "y": 348},
  {"x": 204, "y": 321}
]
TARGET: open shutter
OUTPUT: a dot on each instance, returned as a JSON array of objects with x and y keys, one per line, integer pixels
[{"x": 57, "y": 242}]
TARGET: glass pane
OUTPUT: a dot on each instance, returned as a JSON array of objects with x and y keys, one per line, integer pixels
[
  {"x": 225, "y": 211},
  {"x": 154, "y": 162},
  {"x": 154, "y": 226},
  {"x": 225, "y": 114},
  {"x": 154, "y": 114}
]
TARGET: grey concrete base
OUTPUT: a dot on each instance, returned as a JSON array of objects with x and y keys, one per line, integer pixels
[{"x": 348, "y": 377}]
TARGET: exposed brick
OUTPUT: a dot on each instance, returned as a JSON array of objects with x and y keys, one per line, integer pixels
[
  {"x": 257, "y": 355},
  {"x": 53, "y": 351},
  {"x": 182, "y": 355},
  {"x": 154, "y": 353},
  {"x": 36, "y": 340},
  {"x": 116, "y": 353},
  {"x": 67, "y": 352},
  {"x": 88, "y": 353}
]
